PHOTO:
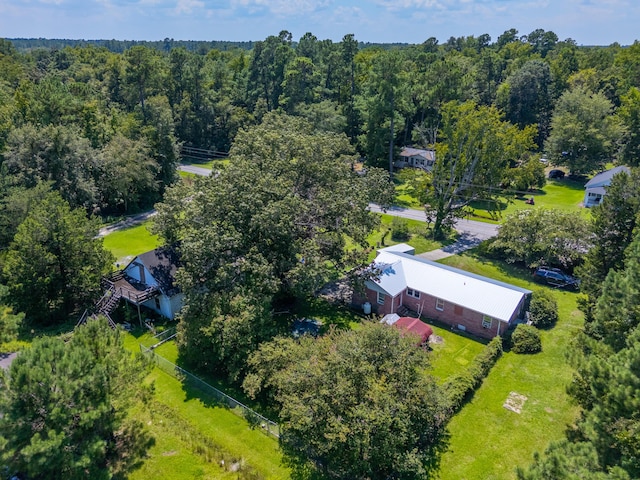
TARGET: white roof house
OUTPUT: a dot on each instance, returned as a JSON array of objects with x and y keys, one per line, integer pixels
[
  {"x": 596, "y": 188},
  {"x": 416, "y": 157},
  {"x": 399, "y": 271}
]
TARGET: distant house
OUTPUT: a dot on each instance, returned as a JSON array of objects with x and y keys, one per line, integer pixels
[
  {"x": 465, "y": 301},
  {"x": 147, "y": 281},
  {"x": 596, "y": 188},
  {"x": 417, "y": 158}
]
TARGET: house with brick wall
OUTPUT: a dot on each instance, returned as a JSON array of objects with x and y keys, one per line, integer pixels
[{"x": 479, "y": 305}]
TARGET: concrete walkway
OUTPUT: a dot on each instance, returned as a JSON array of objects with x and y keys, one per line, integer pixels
[
  {"x": 6, "y": 359},
  {"x": 204, "y": 172}
]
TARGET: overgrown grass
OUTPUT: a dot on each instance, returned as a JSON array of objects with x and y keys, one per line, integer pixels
[
  {"x": 488, "y": 441},
  {"x": 129, "y": 242},
  {"x": 192, "y": 431}
]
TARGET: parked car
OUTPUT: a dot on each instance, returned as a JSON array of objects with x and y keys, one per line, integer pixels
[
  {"x": 555, "y": 173},
  {"x": 555, "y": 277}
]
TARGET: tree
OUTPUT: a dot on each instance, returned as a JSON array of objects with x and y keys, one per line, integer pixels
[
  {"x": 612, "y": 226},
  {"x": 527, "y": 174},
  {"x": 543, "y": 309},
  {"x": 55, "y": 263},
  {"x": 629, "y": 113},
  {"x": 128, "y": 173},
  {"x": 56, "y": 154},
  {"x": 543, "y": 237},
  {"x": 270, "y": 226},
  {"x": 472, "y": 153},
  {"x": 9, "y": 324},
  {"x": 584, "y": 133},
  {"x": 358, "y": 405},
  {"x": 526, "y": 97},
  {"x": 65, "y": 407}
]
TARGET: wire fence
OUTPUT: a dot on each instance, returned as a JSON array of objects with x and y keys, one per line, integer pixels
[{"x": 254, "y": 418}]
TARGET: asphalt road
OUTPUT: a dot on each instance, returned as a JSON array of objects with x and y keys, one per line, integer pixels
[
  {"x": 205, "y": 172},
  {"x": 469, "y": 228}
]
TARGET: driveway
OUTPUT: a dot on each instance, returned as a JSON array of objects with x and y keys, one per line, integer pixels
[{"x": 126, "y": 223}]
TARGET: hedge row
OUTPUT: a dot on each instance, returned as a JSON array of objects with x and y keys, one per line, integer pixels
[{"x": 460, "y": 387}]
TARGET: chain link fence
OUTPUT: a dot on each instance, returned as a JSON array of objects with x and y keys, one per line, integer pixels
[{"x": 254, "y": 418}]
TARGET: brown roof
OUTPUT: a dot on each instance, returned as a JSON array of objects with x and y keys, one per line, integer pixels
[{"x": 414, "y": 325}]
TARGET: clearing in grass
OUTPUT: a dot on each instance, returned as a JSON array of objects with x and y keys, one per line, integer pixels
[{"x": 129, "y": 242}]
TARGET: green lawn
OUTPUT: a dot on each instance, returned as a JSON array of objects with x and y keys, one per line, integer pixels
[
  {"x": 455, "y": 354},
  {"x": 565, "y": 195},
  {"x": 210, "y": 164},
  {"x": 129, "y": 242},
  {"x": 192, "y": 432},
  {"x": 488, "y": 441}
]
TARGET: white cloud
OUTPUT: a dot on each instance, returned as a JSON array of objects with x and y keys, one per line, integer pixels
[
  {"x": 282, "y": 7},
  {"x": 187, "y": 6}
]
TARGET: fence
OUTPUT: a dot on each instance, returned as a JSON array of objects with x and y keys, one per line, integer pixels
[{"x": 254, "y": 418}]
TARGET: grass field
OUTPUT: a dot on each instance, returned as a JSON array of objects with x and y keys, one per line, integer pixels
[
  {"x": 193, "y": 432},
  {"x": 129, "y": 242},
  {"x": 488, "y": 441}
]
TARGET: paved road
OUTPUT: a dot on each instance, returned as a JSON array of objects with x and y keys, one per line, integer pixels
[
  {"x": 471, "y": 228},
  {"x": 205, "y": 172},
  {"x": 131, "y": 221}
]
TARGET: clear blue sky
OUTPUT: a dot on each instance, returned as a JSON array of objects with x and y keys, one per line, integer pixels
[{"x": 588, "y": 22}]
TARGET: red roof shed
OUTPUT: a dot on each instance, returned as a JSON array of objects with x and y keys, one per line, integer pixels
[{"x": 415, "y": 325}]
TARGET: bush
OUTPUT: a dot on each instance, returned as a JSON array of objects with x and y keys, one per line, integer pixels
[
  {"x": 543, "y": 309},
  {"x": 526, "y": 339},
  {"x": 399, "y": 229},
  {"x": 460, "y": 387}
]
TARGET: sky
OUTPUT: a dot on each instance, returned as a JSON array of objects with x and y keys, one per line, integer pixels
[{"x": 588, "y": 22}]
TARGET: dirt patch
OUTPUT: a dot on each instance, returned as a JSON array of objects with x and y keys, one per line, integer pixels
[
  {"x": 170, "y": 453},
  {"x": 515, "y": 402},
  {"x": 339, "y": 292}
]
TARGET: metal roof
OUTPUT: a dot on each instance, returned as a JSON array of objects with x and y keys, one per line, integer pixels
[
  {"x": 603, "y": 179},
  {"x": 481, "y": 294},
  {"x": 418, "y": 152}
]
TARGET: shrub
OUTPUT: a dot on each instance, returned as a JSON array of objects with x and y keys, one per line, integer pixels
[
  {"x": 399, "y": 229},
  {"x": 543, "y": 309},
  {"x": 526, "y": 339},
  {"x": 460, "y": 387}
]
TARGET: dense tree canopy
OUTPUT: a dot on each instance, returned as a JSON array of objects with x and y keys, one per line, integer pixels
[
  {"x": 358, "y": 404},
  {"x": 272, "y": 224},
  {"x": 54, "y": 264},
  {"x": 65, "y": 407}
]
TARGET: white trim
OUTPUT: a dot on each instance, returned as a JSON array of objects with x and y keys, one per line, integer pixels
[
  {"x": 439, "y": 304},
  {"x": 381, "y": 298}
]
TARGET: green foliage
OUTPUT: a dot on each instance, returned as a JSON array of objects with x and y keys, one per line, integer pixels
[
  {"x": 9, "y": 324},
  {"x": 356, "y": 404},
  {"x": 472, "y": 152},
  {"x": 526, "y": 175},
  {"x": 459, "y": 388},
  {"x": 542, "y": 237},
  {"x": 584, "y": 134},
  {"x": 526, "y": 339},
  {"x": 65, "y": 407},
  {"x": 54, "y": 264},
  {"x": 275, "y": 222},
  {"x": 543, "y": 309},
  {"x": 613, "y": 224},
  {"x": 399, "y": 229}
]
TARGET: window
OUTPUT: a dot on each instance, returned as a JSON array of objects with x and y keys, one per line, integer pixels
[
  {"x": 439, "y": 304},
  {"x": 486, "y": 321},
  {"x": 381, "y": 298},
  {"x": 413, "y": 293},
  {"x": 457, "y": 309}
]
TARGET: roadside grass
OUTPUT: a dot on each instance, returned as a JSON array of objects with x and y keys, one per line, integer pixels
[
  {"x": 488, "y": 441},
  {"x": 210, "y": 164},
  {"x": 129, "y": 242},
  {"x": 199, "y": 415},
  {"x": 419, "y": 236}
]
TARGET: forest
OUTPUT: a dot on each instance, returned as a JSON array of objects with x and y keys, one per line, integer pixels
[{"x": 94, "y": 130}]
